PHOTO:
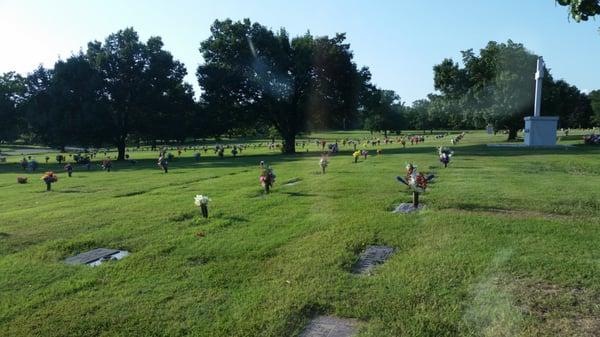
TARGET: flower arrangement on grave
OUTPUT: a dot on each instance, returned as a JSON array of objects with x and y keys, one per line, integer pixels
[
  {"x": 445, "y": 155},
  {"x": 107, "y": 164},
  {"x": 49, "y": 178},
  {"x": 267, "y": 177},
  {"x": 416, "y": 181},
  {"x": 323, "y": 162},
  {"x": 356, "y": 155},
  {"x": 592, "y": 139},
  {"x": 33, "y": 165},
  {"x": 163, "y": 163},
  {"x": 69, "y": 169},
  {"x": 22, "y": 180},
  {"x": 202, "y": 202}
]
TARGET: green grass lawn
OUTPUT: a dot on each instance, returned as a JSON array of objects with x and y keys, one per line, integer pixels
[{"x": 508, "y": 244}]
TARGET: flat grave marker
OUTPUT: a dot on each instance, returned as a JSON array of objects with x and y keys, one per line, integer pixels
[
  {"x": 407, "y": 208},
  {"x": 329, "y": 326},
  {"x": 371, "y": 257},
  {"x": 292, "y": 182},
  {"x": 96, "y": 256}
]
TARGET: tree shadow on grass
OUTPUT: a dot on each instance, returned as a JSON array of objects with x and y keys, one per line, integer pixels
[{"x": 300, "y": 194}]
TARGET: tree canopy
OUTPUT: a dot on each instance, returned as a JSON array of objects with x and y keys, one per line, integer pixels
[
  {"x": 581, "y": 10},
  {"x": 12, "y": 94},
  {"x": 258, "y": 81},
  {"x": 143, "y": 87},
  {"x": 253, "y": 75},
  {"x": 496, "y": 87}
]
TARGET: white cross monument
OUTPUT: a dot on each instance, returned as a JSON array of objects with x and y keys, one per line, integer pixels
[{"x": 540, "y": 130}]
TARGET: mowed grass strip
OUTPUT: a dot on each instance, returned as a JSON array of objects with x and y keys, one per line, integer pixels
[{"x": 507, "y": 244}]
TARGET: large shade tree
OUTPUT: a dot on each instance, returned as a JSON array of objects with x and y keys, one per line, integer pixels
[
  {"x": 383, "y": 111},
  {"x": 12, "y": 93},
  {"x": 253, "y": 75},
  {"x": 37, "y": 105},
  {"x": 143, "y": 87},
  {"x": 74, "y": 111},
  {"x": 594, "y": 97},
  {"x": 497, "y": 85}
]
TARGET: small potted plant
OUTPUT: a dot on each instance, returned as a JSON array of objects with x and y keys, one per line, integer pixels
[
  {"x": 202, "y": 202},
  {"x": 49, "y": 178}
]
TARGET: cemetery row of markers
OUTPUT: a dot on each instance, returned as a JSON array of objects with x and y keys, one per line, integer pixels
[{"x": 372, "y": 256}]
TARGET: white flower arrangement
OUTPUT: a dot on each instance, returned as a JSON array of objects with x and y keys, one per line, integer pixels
[{"x": 200, "y": 200}]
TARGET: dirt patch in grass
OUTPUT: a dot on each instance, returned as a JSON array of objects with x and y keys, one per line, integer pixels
[
  {"x": 558, "y": 310},
  {"x": 512, "y": 213},
  {"x": 579, "y": 169},
  {"x": 502, "y": 305}
]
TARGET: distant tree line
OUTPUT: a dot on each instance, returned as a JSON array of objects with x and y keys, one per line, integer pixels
[
  {"x": 496, "y": 87},
  {"x": 256, "y": 81}
]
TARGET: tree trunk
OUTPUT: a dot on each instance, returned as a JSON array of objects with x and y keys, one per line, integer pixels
[
  {"x": 121, "y": 149},
  {"x": 289, "y": 144},
  {"x": 512, "y": 134}
]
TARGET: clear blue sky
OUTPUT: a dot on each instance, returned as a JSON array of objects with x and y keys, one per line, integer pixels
[{"x": 398, "y": 40}]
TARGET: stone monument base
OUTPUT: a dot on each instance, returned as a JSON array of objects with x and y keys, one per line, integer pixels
[{"x": 540, "y": 131}]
